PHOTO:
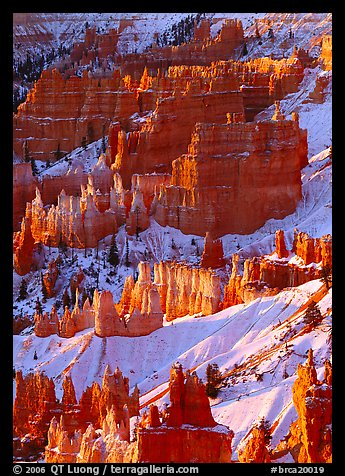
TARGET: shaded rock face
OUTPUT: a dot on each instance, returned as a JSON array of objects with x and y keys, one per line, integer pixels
[
  {"x": 24, "y": 186},
  {"x": 268, "y": 274},
  {"x": 213, "y": 254},
  {"x": 187, "y": 431},
  {"x": 310, "y": 437},
  {"x": 234, "y": 177}
]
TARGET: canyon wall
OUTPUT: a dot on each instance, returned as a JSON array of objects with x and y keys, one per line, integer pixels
[
  {"x": 215, "y": 187},
  {"x": 24, "y": 187},
  {"x": 44, "y": 420},
  {"x": 270, "y": 273},
  {"x": 186, "y": 431},
  {"x": 59, "y": 112},
  {"x": 184, "y": 289},
  {"x": 310, "y": 437}
]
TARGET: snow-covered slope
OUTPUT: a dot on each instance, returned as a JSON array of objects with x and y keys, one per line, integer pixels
[{"x": 265, "y": 337}]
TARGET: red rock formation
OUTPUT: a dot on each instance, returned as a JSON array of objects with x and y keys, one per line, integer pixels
[
  {"x": 326, "y": 52},
  {"x": 310, "y": 437},
  {"x": 270, "y": 273},
  {"x": 46, "y": 324},
  {"x": 210, "y": 192},
  {"x": 61, "y": 447},
  {"x": 186, "y": 290},
  {"x": 166, "y": 133},
  {"x": 313, "y": 250},
  {"x": 138, "y": 312},
  {"x": 188, "y": 431},
  {"x": 23, "y": 247},
  {"x": 82, "y": 106},
  {"x": 141, "y": 314},
  {"x": 74, "y": 221},
  {"x": 213, "y": 254},
  {"x": 50, "y": 277},
  {"x": 24, "y": 186},
  {"x": 281, "y": 250},
  {"x": 256, "y": 450},
  {"x": 34, "y": 404}
]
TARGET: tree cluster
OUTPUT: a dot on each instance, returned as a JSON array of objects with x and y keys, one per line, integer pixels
[
  {"x": 214, "y": 380},
  {"x": 181, "y": 32}
]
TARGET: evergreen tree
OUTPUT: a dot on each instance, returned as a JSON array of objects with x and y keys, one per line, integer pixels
[
  {"x": 38, "y": 306},
  {"x": 103, "y": 146},
  {"x": 312, "y": 315},
  {"x": 23, "y": 290},
  {"x": 58, "y": 154},
  {"x": 127, "y": 262},
  {"x": 66, "y": 300},
  {"x": 34, "y": 167},
  {"x": 26, "y": 152},
  {"x": 326, "y": 275},
  {"x": 244, "y": 49},
  {"x": 265, "y": 426},
  {"x": 113, "y": 257},
  {"x": 44, "y": 289},
  {"x": 214, "y": 379}
]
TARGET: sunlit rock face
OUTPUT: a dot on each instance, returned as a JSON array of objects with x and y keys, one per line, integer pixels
[
  {"x": 265, "y": 275},
  {"x": 186, "y": 431},
  {"x": 235, "y": 177},
  {"x": 59, "y": 112},
  {"x": 310, "y": 436},
  {"x": 184, "y": 289}
]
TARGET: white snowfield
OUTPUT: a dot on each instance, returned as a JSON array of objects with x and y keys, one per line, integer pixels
[{"x": 264, "y": 337}]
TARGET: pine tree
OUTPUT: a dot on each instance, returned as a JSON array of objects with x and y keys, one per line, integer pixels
[
  {"x": 44, "y": 290},
  {"x": 326, "y": 275},
  {"x": 103, "y": 146},
  {"x": 312, "y": 315},
  {"x": 34, "y": 167},
  {"x": 38, "y": 306},
  {"x": 23, "y": 290},
  {"x": 127, "y": 262},
  {"x": 66, "y": 300},
  {"x": 26, "y": 152},
  {"x": 58, "y": 154},
  {"x": 265, "y": 426},
  {"x": 62, "y": 245},
  {"x": 113, "y": 257},
  {"x": 214, "y": 379}
]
